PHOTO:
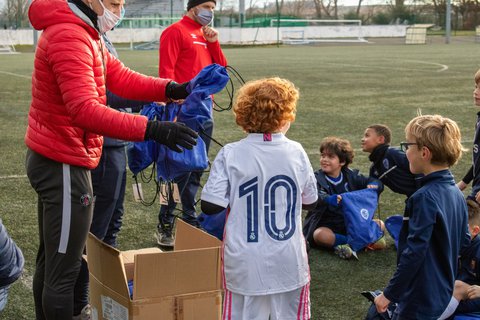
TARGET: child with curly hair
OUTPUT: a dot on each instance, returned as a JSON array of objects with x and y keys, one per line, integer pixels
[{"x": 265, "y": 179}]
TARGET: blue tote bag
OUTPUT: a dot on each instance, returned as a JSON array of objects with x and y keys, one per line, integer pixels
[{"x": 358, "y": 208}]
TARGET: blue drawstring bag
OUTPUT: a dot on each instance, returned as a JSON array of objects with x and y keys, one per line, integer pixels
[
  {"x": 197, "y": 108},
  {"x": 170, "y": 111},
  {"x": 194, "y": 112},
  {"x": 358, "y": 208},
  {"x": 214, "y": 224},
  {"x": 143, "y": 153},
  {"x": 393, "y": 224}
]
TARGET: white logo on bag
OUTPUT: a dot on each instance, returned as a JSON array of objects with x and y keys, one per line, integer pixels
[{"x": 364, "y": 213}]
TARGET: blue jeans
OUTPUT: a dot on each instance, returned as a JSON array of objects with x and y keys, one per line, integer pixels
[
  {"x": 188, "y": 185},
  {"x": 3, "y": 297}
]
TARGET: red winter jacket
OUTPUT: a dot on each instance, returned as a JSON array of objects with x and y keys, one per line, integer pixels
[{"x": 68, "y": 115}]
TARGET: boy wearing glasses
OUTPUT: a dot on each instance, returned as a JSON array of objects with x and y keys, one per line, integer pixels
[
  {"x": 435, "y": 225},
  {"x": 389, "y": 165}
]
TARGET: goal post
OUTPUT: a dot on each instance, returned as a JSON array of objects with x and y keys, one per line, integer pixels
[
  {"x": 301, "y": 31},
  {"x": 142, "y": 33}
]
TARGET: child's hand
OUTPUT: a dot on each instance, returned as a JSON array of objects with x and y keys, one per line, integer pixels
[
  {"x": 381, "y": 303},
  {"x": 477, "y": 197},
  {"x": 461, "y": 185},
  {"x": 473, "y": 292},
  {"x": 334, "y": 200},
  {"x": 460, "y": 290}
]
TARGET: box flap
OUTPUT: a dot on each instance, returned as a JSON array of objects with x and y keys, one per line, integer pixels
[
  {"x": 172, "y": 273},
  {"x": 129, "y": 256},
  {"x": 129, "y": 260},
  {"x": 188, "y": 237},
  {"x": 106, "y": 264}
]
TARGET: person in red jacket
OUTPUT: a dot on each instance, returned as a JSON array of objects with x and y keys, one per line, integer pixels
[
  {"x": 186, "y": 47},
  {"x": 66, "y": 123}
]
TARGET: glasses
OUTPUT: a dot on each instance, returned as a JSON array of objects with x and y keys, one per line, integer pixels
[{"x": 405, "y": 145}]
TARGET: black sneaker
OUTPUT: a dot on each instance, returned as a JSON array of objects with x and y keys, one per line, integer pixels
[{"x": 165, "y": 237}]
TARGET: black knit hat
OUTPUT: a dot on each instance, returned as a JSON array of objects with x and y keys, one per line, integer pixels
[{"x": 194, "y": 3}]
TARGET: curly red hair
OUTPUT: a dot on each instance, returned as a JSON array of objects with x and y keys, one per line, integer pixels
[{"x": 265, "y": 105}]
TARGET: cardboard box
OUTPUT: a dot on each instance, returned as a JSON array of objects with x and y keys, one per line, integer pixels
[{"x": 183, "y": 284}]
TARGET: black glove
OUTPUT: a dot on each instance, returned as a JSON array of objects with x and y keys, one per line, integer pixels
[
  {"x": 176, "y": 91},
  {"x": 171, "y": 134}
]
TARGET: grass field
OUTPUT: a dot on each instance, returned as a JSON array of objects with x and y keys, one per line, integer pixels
[{"x": 343, "y": 89}]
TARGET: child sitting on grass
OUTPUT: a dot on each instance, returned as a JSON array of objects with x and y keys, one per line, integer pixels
[
  {"x": 265, "y": 179},
  {"x": 434, "y": 226},
  {"x": 467, "y": 290},
  {"x": 325, "y": 225},
  {"x": 389, "y": 165}
]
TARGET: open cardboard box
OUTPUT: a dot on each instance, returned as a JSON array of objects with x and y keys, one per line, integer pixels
[{"x": 183, "y": 284}]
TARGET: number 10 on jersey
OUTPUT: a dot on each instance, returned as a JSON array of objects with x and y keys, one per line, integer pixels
[{"x": 250, "y": 191}]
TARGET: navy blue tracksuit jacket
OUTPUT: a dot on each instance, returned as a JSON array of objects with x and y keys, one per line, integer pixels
[
  {"x": 434, "y": 230},
  {"x": 391, "y": 166}
]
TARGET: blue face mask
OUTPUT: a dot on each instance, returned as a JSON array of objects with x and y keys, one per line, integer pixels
[
  {"x": 204, "y": 16},
  {"x": 122, "y": 14}
]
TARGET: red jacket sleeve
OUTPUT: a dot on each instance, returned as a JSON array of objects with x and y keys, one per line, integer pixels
[
  {"x": 78, "y": 68},
  {"x": 129, "y": 84}
]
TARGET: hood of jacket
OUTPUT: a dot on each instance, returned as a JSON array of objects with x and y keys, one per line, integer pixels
[{"x": 45, "y": 13}]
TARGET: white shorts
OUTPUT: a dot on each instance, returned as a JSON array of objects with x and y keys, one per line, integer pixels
[{"x": 292, "y": 305}]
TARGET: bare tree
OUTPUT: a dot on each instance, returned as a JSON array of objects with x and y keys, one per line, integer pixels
[
  {"x": 359, "y": 6},
  {"x": 15, "y": 13},
  {"x": 318, "y": 8},
  {"x": 295, "y": 8},
  {"x": 330, "y": 8}
]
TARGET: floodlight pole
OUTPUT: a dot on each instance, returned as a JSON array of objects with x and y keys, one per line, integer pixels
[
  {"x": 241, "y": 12},
  {"x": 448, "y": 22},
  {"x": 278, "y": 23}
]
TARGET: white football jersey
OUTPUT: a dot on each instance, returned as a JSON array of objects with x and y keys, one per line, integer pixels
[{"x": 264, "y": 178}]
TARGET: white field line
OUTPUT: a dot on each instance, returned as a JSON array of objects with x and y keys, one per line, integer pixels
[
  {"x": 16, "y": 75},
  {"x": 15, "y": 176},
  {"x": 443, "y": 67}
]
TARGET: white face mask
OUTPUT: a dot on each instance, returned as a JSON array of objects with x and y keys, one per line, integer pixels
[{"x": 107, "y": 21}]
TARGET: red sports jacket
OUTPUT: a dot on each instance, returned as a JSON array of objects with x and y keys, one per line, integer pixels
[{"x": 184, "y": 51}]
